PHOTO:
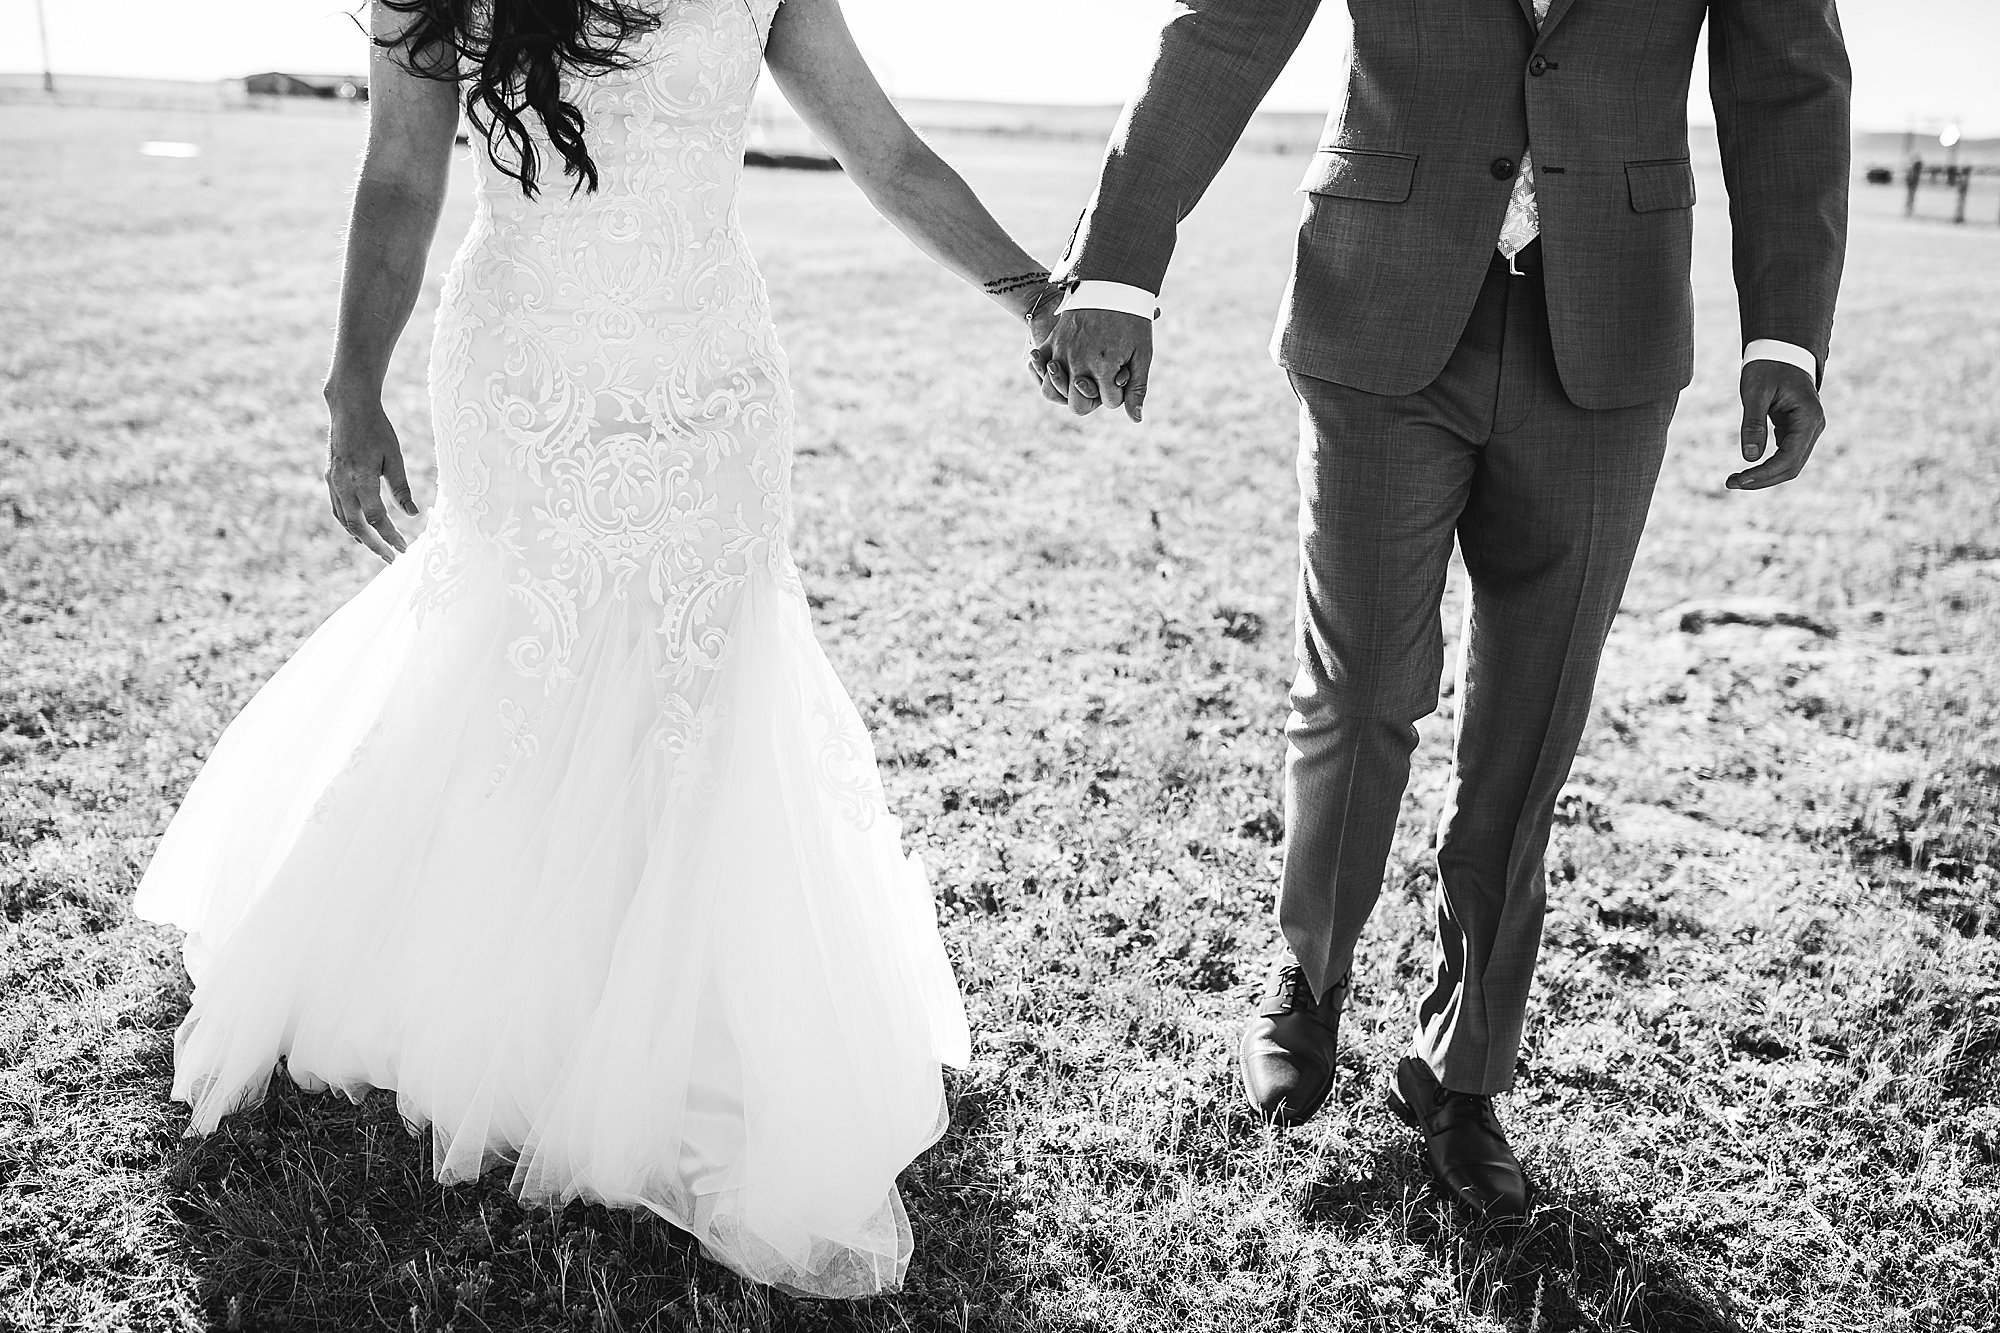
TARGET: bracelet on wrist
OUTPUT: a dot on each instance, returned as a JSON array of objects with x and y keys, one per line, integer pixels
[{"x": 1042, "y": 299}]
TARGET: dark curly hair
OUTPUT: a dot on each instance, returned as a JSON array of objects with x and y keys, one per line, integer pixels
[{"x": 517, "y": 52}]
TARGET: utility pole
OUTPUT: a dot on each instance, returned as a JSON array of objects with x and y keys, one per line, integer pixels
[{"x": 42, "y": 26}]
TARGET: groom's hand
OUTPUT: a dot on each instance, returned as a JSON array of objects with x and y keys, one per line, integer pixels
[
  {"x": 1096, "y": 358},
  {"x": 1783, "y": 395}
]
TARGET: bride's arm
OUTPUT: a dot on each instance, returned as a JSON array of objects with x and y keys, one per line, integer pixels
[
  {"x": 813, "y": 57},
  {"x": 404, "y": 172}
]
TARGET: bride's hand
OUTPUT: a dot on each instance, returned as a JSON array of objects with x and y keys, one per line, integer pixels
[
  {"x": 1040, "y": 315},
  {"x": 362, "y": 453}
]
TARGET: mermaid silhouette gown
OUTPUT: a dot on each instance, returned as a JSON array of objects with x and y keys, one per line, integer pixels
[{"x": 563, "y": 828}]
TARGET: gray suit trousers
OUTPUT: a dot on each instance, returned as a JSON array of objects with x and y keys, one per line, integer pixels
[{"x": 1546, "y": 500}]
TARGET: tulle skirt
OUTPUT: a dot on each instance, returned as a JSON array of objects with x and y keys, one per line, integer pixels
[{"x": 697, "y": 977}]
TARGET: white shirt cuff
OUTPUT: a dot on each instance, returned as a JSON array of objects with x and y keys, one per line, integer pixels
[
  {"x": 1119, "y": 296},
  {"x": 1770, "y": 349}
]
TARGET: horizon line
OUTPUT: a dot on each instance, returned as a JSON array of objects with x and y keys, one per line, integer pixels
[{"x": 1925, "y": 124}]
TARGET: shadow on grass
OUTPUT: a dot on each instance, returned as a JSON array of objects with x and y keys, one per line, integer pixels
[
  {"x": 1567, "y": 1269},
  {"x": 309, "y": 1212}
]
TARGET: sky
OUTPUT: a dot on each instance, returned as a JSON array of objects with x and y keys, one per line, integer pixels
[{"x": 1918, "y": 63}]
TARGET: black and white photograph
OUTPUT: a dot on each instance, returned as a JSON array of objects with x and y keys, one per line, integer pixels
[{"x": 958, "y": 666}]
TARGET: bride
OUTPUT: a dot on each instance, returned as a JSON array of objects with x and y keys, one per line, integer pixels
[{"x": 563, "y": 828}]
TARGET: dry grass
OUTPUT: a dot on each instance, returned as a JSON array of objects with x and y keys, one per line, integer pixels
[{"x": 1763, "y": 1060}]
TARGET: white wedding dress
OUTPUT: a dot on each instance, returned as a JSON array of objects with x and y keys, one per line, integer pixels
[{"x": 563, "y": 828}]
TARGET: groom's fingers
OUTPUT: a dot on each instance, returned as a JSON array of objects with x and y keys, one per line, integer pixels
[
  {"x": 1798, "y": 431},
  {"x": 1105, "y": 369},
  {"x": 1756, "y": 408},
  {"x": 1094, "y": 356},
  {"x": 1785, "y": 396},
  {"x": 1137, "y": 374},
  {"x": 1113, "y": 394},
  {"x": 1083, "y": 394}
]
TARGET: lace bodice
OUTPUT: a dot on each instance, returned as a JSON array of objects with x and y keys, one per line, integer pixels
[{"x": 611, "y": 405}]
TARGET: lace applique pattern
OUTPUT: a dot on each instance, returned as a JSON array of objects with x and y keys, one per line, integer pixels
[{"x": 611, "y": 405}]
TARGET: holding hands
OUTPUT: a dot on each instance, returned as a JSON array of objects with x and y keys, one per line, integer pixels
[
  {"x": 1096, "y": 358},
  {"x": 1084, "y": 356}
]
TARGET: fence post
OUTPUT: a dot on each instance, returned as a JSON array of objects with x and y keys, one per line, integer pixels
[{"x": 48, "y": 70}]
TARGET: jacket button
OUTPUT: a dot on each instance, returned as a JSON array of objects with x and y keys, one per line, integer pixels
[
  {"x": 1503, "y": 168},
  {"x": 1538, "y": 66}
]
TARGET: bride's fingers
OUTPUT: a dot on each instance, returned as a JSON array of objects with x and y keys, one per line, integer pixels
[
  {"x": 359, "y": 508},
  {"x": 399, "y": 483},
  {"x": 368, "y": 537},
  {"x": 1055, "y": 382},
  {"x": 1038, "y": 366},
  {"x": 377, "y": 533}
]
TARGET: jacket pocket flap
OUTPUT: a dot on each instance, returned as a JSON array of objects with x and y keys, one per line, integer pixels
[
  {"x": 1359, "y": 173},
  {"x": 1659, "y": 185}
]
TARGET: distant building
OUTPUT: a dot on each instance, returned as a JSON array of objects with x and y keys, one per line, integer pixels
[{"x": 347, "y": 87}]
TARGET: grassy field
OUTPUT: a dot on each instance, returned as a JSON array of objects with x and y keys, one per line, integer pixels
[{"x": 1760, "y": 1083}]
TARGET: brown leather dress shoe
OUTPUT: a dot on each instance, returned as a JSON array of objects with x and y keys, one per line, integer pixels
[
  {"x": 1286, "y": 1056},
  {"x": 1463, "y": 1143}
]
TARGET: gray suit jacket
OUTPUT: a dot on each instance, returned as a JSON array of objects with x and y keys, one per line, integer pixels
[{"x": 1410, "y": 184}]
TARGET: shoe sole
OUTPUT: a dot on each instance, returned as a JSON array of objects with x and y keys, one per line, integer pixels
[{"x": 1283, "y": 1118}]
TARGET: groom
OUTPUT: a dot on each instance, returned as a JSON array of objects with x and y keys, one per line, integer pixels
[{"x": 1488, "y": 325}]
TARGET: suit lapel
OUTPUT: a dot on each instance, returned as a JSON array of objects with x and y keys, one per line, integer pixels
[
  {"x": 1557, "y": 8},
  {"x": 1527, "y": 10}
]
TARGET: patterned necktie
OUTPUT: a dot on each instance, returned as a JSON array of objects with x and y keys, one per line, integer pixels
[{"x": 1524, "y": 219}]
